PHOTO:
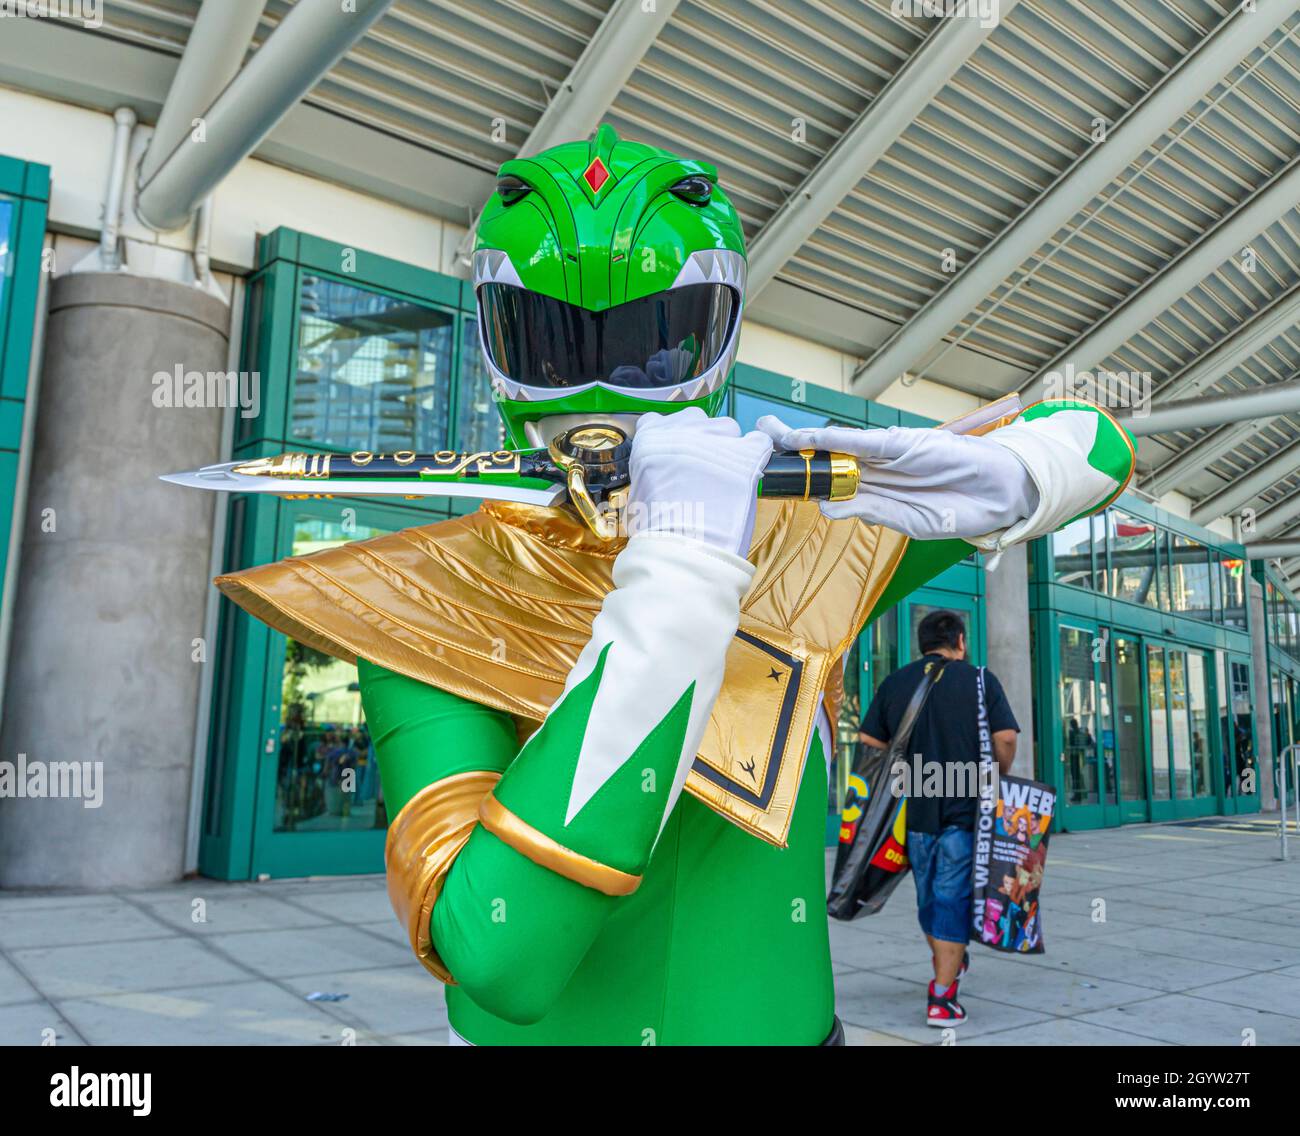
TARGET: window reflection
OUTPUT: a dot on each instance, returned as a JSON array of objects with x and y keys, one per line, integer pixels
[
  {"x": 327, "y": 777},
  {"x": 1159, "y": 713},
  {"x": 6, "y": 249},
  {"x": 1232, "y": 578},
  {"x": 373, "y": 371},
  {"x": 1190, "y": 577},
  {"x": 478, "y": 425},
  {"x": 1072, "y": 553},
  {"x": 749, "y": 408},
  {"x": 1132, "y": 558},
  {"x": 1078, "y": 716}
]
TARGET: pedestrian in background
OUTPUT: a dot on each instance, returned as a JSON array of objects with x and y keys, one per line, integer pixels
[{"x": 941, "y": 825}]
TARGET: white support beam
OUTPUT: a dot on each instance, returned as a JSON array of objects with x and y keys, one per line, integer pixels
[
  {"x": 1198, "y": 457},
  {"x": 1262, "y": 402},
  {"x": 1274, "y": 199},
  {"x": 219, "y": 40},
  {"x": 1273, "y": 549},
  {"x": 1235, "y": 37},
  {"x": 1273, "y": 521},
  {"x": 589, "y": 90},
  {"x": 311, "y": 38},
  {"x": 605, "y": 65},
  {"x": 1246, "y": 341},
  {"x": 1232, "y": 496},
  {"x": 909, "y": 91}
]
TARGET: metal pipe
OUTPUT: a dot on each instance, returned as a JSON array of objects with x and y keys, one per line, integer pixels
[
  {"x": 908, "y": 91},
  {"x": 23, "y": 477},
  {"x": 311, "y": 38},
  {"x": 1266, "y": 401},
  {"x": 1238, "y": 492},
  {"x": 219, "y": 40},
  {"x": 1232, "y": 39},
  {"x": 123, "y": 124},
  {"x": 1272, "y": 549},
  {"x": 203, "y": 245}
]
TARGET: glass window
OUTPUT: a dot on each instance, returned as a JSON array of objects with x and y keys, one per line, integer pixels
[
  {"x": 1072, "y": 553},
  {"x": 884, "y": 648},
  {"x": 1179, "y": 726},
  {"x": 373, "y": 371},
  {"x": 1106, "y": 719},
  {"x": 1128, "y": 719},
  {"x": 1243, "y": 728},
  {"x": 1132, "y": 558},
  {"x": 1199, "y": 707},
  {"x": 846, "y": 729},
  {"x": 1078, "y": 716},
  {"x": 6, "y": 250},
  {"x": 1190, "y": 578},
  {"x": 1101, "y": 581},
  {"x": 327, "y": 778},
  {"x": 918, "y": 612},
  {"x": 749, "y": 408},
  {"x": 478, "y": 425},
  {"x": 1159, "y": 711},
  {"x": 1159, "y": 597},
  {"x": 1233, "y": 576}
]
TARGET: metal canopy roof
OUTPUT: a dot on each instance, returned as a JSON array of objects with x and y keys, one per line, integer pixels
[{"x": 766, "y": 87}]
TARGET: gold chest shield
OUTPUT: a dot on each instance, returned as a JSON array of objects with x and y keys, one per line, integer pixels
[{"x": 496, "y": 606}]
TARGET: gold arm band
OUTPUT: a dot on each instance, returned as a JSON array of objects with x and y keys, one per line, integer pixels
[
  {"x": 541, "y": 849},
  {"x": 423, "y": 842}
]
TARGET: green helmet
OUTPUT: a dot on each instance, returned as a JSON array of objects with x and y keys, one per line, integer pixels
[{"x": 610, "y": 278}]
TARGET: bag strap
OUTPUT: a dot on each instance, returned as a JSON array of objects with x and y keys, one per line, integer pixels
[{"x": 903, "y": 734}]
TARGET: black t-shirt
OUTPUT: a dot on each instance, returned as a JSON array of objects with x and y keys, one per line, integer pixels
[{"x": 946, "y": 731}]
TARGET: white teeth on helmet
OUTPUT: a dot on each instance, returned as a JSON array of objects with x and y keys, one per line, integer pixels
[
  {"x": 492, "y": 266},
  {"x": 713, "y": 266}
]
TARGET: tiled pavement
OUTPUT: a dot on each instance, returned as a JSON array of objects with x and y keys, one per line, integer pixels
[{"x": 1200, "y": 942}]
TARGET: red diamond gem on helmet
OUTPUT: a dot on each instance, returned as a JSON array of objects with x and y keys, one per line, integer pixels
[{"x": 595, "y": 175}]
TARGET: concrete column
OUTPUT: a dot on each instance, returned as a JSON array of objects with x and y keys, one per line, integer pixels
[
  {"x": 111, "y": 593},
  {"x": 1006, "y": 621},
  {"x": 1263, "y": 694}
]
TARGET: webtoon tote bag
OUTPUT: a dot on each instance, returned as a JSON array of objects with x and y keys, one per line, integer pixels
[{"x": 1011, "y": 832}]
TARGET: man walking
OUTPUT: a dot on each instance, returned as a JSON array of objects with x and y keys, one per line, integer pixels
[{"x": 943, "y": 789}]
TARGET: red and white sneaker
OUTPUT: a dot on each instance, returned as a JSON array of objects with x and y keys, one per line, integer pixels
[
  {"x": 942, "y": 1008},
  {"x": 965, "y": 965}
]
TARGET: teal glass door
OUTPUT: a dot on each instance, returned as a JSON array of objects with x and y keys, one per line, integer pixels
[
  {"x": 320, "y": 806},
  {"x": 1126, "y": 728}
]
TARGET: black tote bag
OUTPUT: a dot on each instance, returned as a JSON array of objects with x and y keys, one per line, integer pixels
[{"x": 872, "y": 854}]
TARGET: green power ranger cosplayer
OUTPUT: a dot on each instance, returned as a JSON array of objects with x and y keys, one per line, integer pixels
[{"x": 539, "y": 697}]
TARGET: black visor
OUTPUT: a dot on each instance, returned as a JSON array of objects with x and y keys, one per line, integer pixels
[{"x": 658, "y": 341}]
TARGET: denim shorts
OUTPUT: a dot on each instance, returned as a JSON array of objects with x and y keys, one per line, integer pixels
[{"x": 941, "y": 866}]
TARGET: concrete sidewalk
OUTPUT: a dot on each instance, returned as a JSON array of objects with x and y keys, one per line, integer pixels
[{"x": 1200, "y": 942}]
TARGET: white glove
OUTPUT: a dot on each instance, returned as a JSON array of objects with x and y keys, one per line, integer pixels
[
  {"x": 697, "y": 477},
  {"x": 926, "y": 484}
]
